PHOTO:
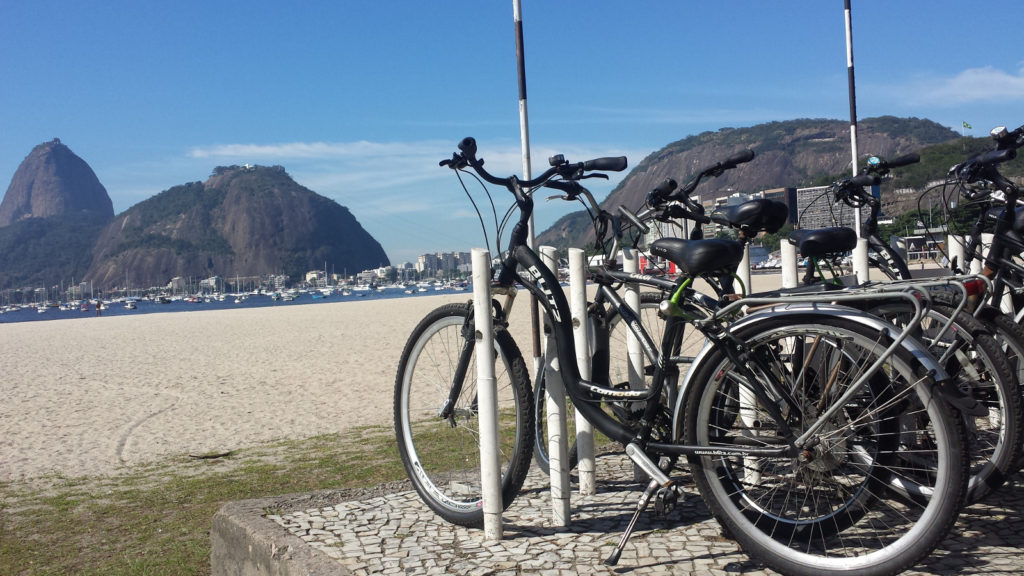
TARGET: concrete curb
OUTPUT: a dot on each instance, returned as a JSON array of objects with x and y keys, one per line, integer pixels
[{"x": 246, "y": 543}]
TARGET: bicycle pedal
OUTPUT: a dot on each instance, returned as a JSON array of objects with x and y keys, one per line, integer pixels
[{"x": 665, "y": 501}]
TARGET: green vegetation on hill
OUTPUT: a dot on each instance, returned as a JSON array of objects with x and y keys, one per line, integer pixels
[
  {"x": 168, "y": 206},
  {"x": 46, "y": 251}
]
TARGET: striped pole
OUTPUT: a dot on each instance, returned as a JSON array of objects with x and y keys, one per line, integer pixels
[
  {"x": 524, "y": 136},
  {"x": 862, "y": 266}
]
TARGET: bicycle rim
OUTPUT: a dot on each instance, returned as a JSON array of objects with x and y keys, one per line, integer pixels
[
  {"x": 442, "y": 456},
  {"x": 834, "y": 509},
  {"x": 980, "y": 368}
]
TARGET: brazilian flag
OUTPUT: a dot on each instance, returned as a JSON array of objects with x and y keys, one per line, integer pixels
[{"x": 967, "y": 126}]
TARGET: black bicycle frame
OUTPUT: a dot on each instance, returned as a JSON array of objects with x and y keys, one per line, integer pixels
[
  {"x": 586, "y": 395},
  {"x": 997, "y": 261}
]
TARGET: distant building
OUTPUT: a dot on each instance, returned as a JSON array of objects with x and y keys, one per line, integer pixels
[
  {"x": 211, "y": 284},
  {"x": 177, "y": 284}
]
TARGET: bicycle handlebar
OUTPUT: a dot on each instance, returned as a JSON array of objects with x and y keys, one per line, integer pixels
[
  {"x": 633, "y": 219},
  {"x": 737, "y": 159},
  {"x": 667, "y": 191},
  {"x": 984, "y": 167},
  {"x": 569, "y": 171},
  {"x": 1008, "y": 140}
]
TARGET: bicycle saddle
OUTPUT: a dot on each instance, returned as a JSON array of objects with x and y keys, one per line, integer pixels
[
  {"x": 816, "y": 243},
  {"x": 757, "y": 215},
  {"x": 696, "y": 257}
]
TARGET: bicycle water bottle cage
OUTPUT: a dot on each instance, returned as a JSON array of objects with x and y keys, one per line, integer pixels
[
  {"x": 697, "y": 257},
  {"x": 820, "y": 242}
]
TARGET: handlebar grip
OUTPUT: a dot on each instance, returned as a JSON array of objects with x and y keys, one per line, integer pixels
[
  {"x": 739, "y": 158},
  {"x": 666, "y": 187},
  {"x": 468, "y": 146},
  {"x": 906, "y": 160},
  {"x": 995, "y": 156},
  {"x": 865, "y": 180},
  {"x": 633, "y": 219},
  {"x": 661, "y": 191},
  {"x": 616, "y": 164}
]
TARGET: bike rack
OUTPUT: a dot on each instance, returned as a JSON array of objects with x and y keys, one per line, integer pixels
[
  {"x": 490, "y": 463},
  {"x": 581, "y": 333},
  {"x": 558, "y": 449}
]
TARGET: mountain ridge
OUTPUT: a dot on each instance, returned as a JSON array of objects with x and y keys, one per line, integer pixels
[
  {"x": 242, "y": 221},
  {"x": 251, "y": 220},
  {"x": 790, "y": 153}
]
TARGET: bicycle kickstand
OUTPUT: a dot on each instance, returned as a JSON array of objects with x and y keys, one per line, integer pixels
[{"x": 653, "y": 487}]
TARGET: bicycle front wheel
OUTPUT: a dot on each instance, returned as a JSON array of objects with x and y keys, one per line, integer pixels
[
  {"x": 442, "y": 454},
  {"x": 878, "y": 486}
]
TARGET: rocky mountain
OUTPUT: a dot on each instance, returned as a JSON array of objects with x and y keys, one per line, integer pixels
[
  {"x": 242, "y": 221},
  {"x": 793, "y": 153},
  {"x": 50, "y": 217},
  {"x": 52, "y": 182}
]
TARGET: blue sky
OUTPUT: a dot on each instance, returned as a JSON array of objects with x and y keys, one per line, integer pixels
[{"x": 359, "y": 101}]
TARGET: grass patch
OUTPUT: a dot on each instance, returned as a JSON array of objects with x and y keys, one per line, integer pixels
[{"x": 156, "y": 519}]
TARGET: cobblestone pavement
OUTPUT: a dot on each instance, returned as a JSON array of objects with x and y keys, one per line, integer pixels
[{"x": 398, "y": 534}]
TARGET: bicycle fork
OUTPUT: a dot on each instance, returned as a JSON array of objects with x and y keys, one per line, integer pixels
[{"x": 447, "y": 411}]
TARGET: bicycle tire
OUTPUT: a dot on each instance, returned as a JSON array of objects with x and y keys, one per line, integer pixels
[
  {"x": 1010, "y": 337},
  {"x": 980, "y": 368},
  {"x": 783, "y": 518},
  {"x": 540, "y": 444},
  {"x": 442, "y": 456}
]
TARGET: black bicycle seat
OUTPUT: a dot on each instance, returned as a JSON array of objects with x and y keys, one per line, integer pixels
[
  {"x": 820, "y": 242},
  {"x": 696, "y": 257},
  {"x": 756, "y": 215}
]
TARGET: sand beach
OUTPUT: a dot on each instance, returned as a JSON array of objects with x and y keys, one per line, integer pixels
[{"x": 92, "y": 396}]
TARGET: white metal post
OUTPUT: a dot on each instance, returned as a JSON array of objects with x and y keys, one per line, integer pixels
[
  {"x": 581, "y": 333},
  {"x": 631, "y": 265},
  {"x": 558, "y": 447},
  {"x": 978, "y": 263},
  {"x": 956, "y": 248},
  {"x": 790, "y": 275},
  {"x": 487, "y": 396},
  {"x": 860, "y": 261},
  {"x": 743, "y": 270}
]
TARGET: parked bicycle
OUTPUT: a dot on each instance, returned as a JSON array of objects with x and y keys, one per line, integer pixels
[
  {"x": 974, "y": 350},
  {"x": 793, "y": 417}
]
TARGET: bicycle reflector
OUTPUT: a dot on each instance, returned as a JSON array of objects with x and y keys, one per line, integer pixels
[{"x": 974, "y": 287}]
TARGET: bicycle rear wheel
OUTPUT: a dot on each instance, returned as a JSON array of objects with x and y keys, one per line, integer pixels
[
  {"x": 980, "y": 368},
  {"x": 442, "y": 455},
  {"x": 877, "y": 488}
]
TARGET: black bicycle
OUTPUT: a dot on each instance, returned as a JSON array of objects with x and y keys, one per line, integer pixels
[{"x": 795, "y": 418}]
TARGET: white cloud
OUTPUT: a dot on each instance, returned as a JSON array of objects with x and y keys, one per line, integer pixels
[
  {"x": 399, "y": 193},
  {"x": 985, "y": 84}
]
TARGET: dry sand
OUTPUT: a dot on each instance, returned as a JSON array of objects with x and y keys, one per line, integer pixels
[{"x": 94, "y": 395}]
